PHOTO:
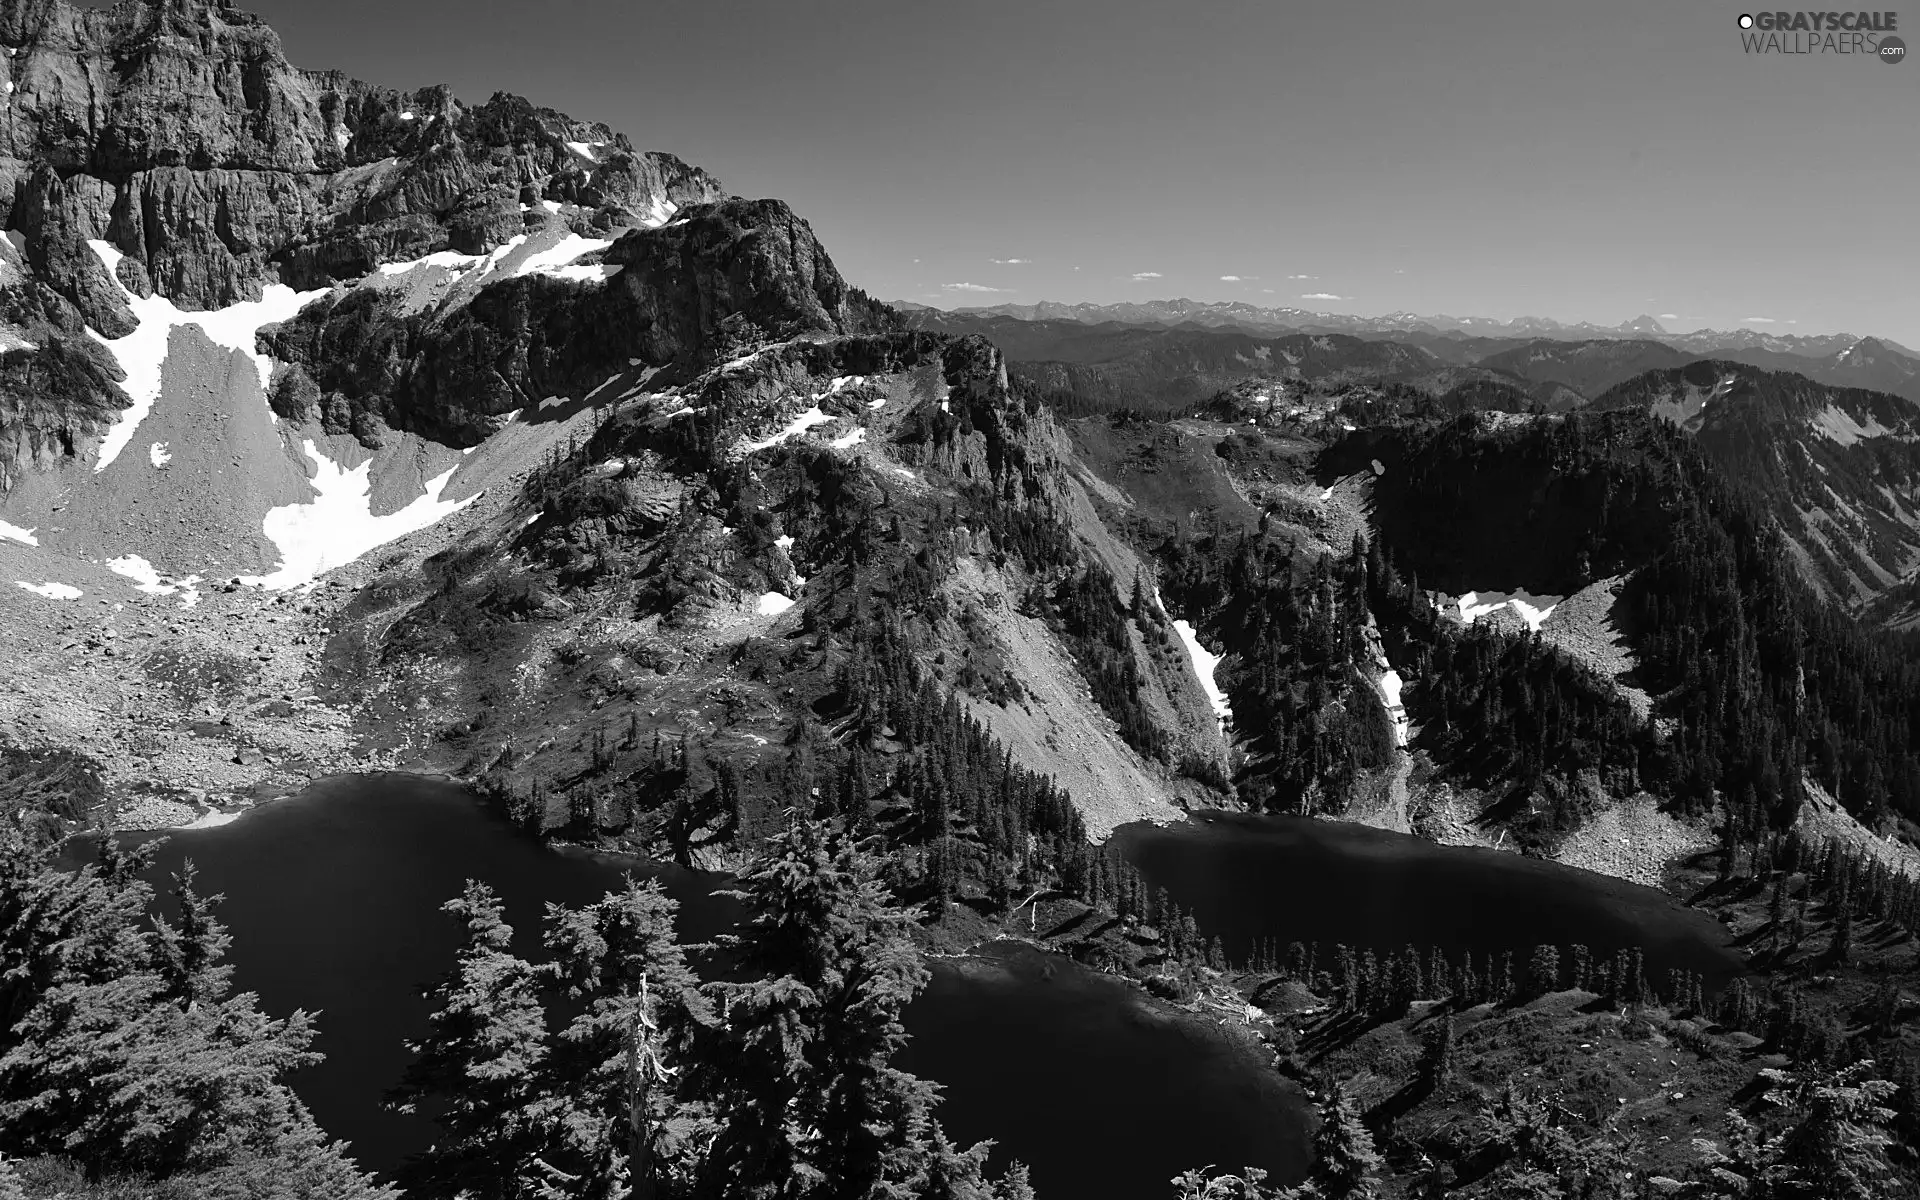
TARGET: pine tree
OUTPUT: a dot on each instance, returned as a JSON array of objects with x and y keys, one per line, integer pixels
[
  {"x": 122, "y": 1051},
  {"x": 1543, "y": 971},
  {"x": 192, "y": 950},
  {"x": 800, "y": 1065},
  {"x": 1346, "y": 1165},
  {"x": 479, "y": 1067},
  {"x": 1013, "y": 1185},
  {"x": 1833, "y": 1146},
  {"x": 610, "y": 1072}
]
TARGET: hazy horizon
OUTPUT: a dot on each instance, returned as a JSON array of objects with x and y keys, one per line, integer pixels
[{"x": 1588, "y": 162}]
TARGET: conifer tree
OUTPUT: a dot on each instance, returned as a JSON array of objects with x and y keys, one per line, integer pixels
[
  {"x": 115, "y": 1055},
  {"x": 800, "y": 1064},
  {"x": 192, "y": 950},
  {"x": 610, "y": 1073},
  {"x": 1346, "y": 1166},
  {"x": 478, "y": 1071},
  {"x": 1543, "y": 971}
]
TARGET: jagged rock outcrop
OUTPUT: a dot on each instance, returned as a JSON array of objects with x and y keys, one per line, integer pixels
[
  {"x": 179, "y": 132},
  {"x": 451, "y": 373}
]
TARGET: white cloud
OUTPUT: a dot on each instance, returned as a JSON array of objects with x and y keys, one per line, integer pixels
[
  {"x": 1268, "y": 291},
  {"x": 1010, "y": 262},
  {"x": 1669, "y": 316},
  {"x": 1139, "y": 275},
  {"x": 1320, "y": 296},
  {"x": 1238, "y": 278},
  {"x": 1303, "y": 277},
  {"x": 916, "y": 260},
  {"x": 1757, "y": 320},
  {"x": 971, "y": 287}
]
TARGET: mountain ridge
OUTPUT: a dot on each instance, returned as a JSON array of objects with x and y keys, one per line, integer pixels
[{"x": 1231, "y": 312}]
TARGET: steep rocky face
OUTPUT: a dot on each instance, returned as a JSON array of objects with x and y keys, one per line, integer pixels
[
  {"x": 177, "y": 134},
  {"x": 732, "y": 273},
  {"x": 180, "y": 133}
]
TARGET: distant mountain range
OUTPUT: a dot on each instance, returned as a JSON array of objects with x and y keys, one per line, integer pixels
[
  {"x": 1158, "y": 366},
  {"x": 1235, "y": 313}
]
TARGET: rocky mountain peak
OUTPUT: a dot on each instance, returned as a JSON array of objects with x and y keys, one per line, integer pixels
[{"x": 179, "y": 133}]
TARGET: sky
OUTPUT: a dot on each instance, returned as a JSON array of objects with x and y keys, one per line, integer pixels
[{"x": 1583, "y": 161}]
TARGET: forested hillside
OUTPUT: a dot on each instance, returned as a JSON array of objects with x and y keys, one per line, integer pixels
[{"x": 1836, "y": 467}]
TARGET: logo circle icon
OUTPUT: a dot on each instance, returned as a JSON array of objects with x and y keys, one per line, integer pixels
[
  {"x": 1892, "y": 49},
  {"x": 1746, "y": 20}
]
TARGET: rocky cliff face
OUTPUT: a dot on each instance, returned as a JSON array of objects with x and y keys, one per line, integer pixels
[
  {"x": 669, "y": 296},
  {"x": 178, "y": 134}
]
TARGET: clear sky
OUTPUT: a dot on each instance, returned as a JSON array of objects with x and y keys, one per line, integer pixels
[{"x": 1584, "y": 161}]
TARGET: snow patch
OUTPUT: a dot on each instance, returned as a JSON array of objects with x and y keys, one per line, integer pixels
[
  {"x": 140, "y": 571},
  {"x": 451, "y": 259},
  {"x": 1204, "y": 665},
  {"x": 142, "y": 352},
  {"x": 784, "y": 541},
  {"x": 1532, "y": 610},
  {"x": 772, "y": 604},
  {"x": 660, "y": 210},
  {"x": 849, "y": 440},
  {"x": 1390, "y": 686},
  {"x": 338, "y": 526},
  {"x": 557, "y": 260},
  {"x": 1531, "y": 615},
  {"x": 15, "y": 533},
  {"x": 157, "y": 454},
  {"x": 795, "y": 428},
  {"x": 54, "y": 591},
  {"x": 152, "y": 582},
  {"x": 587, "y": 150},
  {"x": 407, "y": 116}
]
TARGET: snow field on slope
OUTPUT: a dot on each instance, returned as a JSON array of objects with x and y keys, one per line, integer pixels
[
  {"x": 339, "y": 526},
  {"x": 1204, "y": 664},
  {"x": 141, "y": 353}
]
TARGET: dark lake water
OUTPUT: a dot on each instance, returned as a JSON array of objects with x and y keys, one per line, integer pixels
[
  {"x": 1298, "y": 879},
  {"x": 332, "y": 897}
]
